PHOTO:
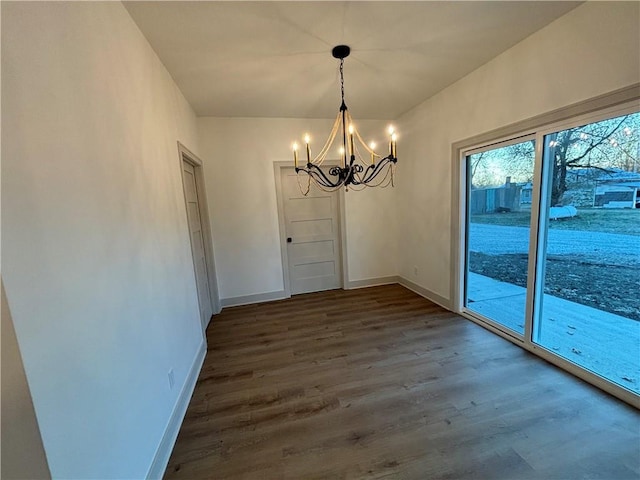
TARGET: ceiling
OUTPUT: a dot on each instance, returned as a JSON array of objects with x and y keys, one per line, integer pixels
[{"x": 273, "y": 59}]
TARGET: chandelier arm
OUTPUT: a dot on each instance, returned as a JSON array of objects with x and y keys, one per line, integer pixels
[
  {"x": 389, "y": 176},
  {"x": 372, "y": 173},
  {"x": 329, "y": 189},
  {"x": 365, "y": 181},
  {"x": 321, "y": 181},
  {"x": 386, "y": 180},
  {"x": 382, "y": 166},
  {"x": 352, "y": 174},
  {"x": 378, "y": 168},
  {"x": 368, "y": 170},
  {"x": 319, "y": 176},
  {"x": 382, "y": 183}
]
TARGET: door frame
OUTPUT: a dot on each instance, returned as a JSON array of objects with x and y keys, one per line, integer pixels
[
  {"x": 184, "y": 154},
  {"x": 465, "y": 192},
  {"x": 278, "y": 168}
]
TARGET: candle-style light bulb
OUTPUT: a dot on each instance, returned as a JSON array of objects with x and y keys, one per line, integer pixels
[
  {"x": 372, "y": 146},
  {"x": 351, "y": 150},
  {"x": 390, "y": 130},
  {"x": 394, "y": 137},
  {"x": 295, "y": 154},
  {"x": 307, "y": 139}
]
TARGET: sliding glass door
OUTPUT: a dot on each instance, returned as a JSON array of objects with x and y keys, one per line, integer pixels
[
  {"x": 552, "y": 243},
  {"x": 589, "y": 261},
  {"x": 499, "y": 186}
]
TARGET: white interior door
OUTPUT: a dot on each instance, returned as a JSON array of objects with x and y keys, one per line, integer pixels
[
  {"x": 313, "y": 237},
  {"x": 197, "y": 242}
]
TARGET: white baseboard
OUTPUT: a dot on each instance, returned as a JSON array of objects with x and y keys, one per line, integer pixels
[
  {"x": 369, "y": 282},
  {"x": 255, "y": 298},
  {"x": 428, "y": 294},
  {"x": 372, "y": 282},
  {"x": 161, "y": 458}
]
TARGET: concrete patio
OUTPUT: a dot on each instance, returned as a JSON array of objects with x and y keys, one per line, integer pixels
[{"x": 604, "y": 343}]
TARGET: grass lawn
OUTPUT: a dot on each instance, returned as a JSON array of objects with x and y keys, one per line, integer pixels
[{"x": 625, "y": 221}]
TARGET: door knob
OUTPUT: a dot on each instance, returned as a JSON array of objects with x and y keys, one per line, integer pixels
[{"x": 289, "y": 240}]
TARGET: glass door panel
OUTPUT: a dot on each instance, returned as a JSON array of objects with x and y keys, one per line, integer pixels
[
  {"x": 589, "y": 260},
  {"x": 499, "y": 193}
]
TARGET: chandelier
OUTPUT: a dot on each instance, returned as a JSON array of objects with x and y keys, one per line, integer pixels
[{"x": 355, "y": 171}]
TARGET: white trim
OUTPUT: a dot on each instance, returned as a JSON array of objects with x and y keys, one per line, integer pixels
[
  {"x": 507, "y": 141},
  {"x": 607, "y": 100},
  {"x": 163, "y": 453},
  {"x": 185, "y": 154},
  {"x": 537, "y": 240},
  {"x": 618, "y": 110},
  {"x": 464, "y": 226},
  {"x": 372, "y": 282},
  {"x": 493, "y": 326},
  {"x": 423, "y": 292},
  {"x": 353, "y": 285},
  {"x": 255, "y": 298},
  {"x": 277, "y": 174},
  {"x": 458, "y": 227}
]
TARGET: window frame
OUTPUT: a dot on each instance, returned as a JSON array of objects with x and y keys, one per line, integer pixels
[
  {"x": 513, "y": 335},
  {"x": 616, "y": 103}
]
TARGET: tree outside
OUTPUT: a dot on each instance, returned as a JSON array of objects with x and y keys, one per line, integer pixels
[
  {"x": 581, "y": 157},
  {"x": 597, "y": 150}
]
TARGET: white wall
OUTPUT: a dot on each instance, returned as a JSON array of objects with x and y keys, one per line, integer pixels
[
  {"x": 22, "y": 451},
  {"x": 97, "y": 263},
  {"x": 590, "y": 51},
  {"x": 239, "y": 155}
]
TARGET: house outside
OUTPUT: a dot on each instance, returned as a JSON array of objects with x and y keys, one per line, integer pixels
[
  {"x": 614, "y": 194},
  {"x": 501, "y": 199},
  {"x": 613, "y": 189},
  {"x": 588, "y": 189}
]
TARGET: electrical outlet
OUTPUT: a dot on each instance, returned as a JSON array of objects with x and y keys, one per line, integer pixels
[
  {"x": 415, "y": 271},
  {"x": 172, "y": 379}
]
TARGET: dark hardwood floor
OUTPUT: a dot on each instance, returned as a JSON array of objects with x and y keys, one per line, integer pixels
[{"x": 381, "y": 383}]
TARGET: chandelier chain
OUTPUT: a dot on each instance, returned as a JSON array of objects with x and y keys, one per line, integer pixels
[{"x": 342, "y": 79}]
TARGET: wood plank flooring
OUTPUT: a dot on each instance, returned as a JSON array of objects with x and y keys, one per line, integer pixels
[{"x": 380, "y": 383}]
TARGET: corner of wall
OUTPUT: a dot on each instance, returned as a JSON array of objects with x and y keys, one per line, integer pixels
[{"x": 23, "y": 454}]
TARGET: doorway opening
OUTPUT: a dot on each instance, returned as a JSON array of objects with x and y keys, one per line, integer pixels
[{"x": 199, "y": 234}]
